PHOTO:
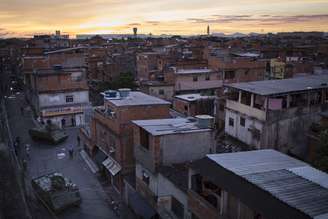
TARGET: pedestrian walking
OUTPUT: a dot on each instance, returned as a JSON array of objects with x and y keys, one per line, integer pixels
[
  {"x": 16, "y": 148},
  {"x": 22, "y": 110},
  {"x": 78, "y": 140},
  {"x": 27, "y": 151},
  {"x": 18, "y": 140},
  {"x": 71, "y": 151}
]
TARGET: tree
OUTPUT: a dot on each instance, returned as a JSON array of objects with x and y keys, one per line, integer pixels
[
  {"x": 126, "y": 80},
  {"x": 321, "y": 161}
]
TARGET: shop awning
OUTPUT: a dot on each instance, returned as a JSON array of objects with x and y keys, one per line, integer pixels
[
  {"x": 112, "y": 166},
  {"x": 100, "y": 157}
]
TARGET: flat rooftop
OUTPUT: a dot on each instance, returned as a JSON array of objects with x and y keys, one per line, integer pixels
[
  {"x": 194, "y": 71},
  {"x": 288, "y": 180},
  {"x": 276, "y": 87},
  {"x": 136, "y": 98},
  {"x": 60, "y": 70},
  {"x": 193, "y": 97},
  {"x": 65, "y": 50},
  {"x": 169, "y": 126}
]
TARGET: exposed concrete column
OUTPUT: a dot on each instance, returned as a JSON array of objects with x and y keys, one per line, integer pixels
[
  {"x": 252, "y": 100},
  {"x": 239, "y": 97},
  {"x": 323, "y": 96},
  {"x": 288, "y": 101},
  {"x": 266, "y": 102}
]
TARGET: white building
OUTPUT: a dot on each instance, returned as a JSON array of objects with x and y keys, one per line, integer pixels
[
  {"x": 276, "y": 113},
  {"x": 58, "y": 94}
]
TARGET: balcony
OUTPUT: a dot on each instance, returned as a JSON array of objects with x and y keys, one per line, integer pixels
[
  {"x": 247, "y": 110},
  {"x": 145, "y": 157},
  {"x": 273, "y": 115},
  {"x": 199, "y": 206}
]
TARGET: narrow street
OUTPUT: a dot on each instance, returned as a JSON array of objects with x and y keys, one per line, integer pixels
[{"x": 49, "y": 158}]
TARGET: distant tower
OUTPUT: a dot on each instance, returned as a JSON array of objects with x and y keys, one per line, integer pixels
[
  {"x": 208, "y": 30},
  {"x": 135, "y": 31},
  {"x": 57, "y": 33}
]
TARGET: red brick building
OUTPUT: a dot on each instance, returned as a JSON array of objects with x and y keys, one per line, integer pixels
[{"x": 112, "y": 133}]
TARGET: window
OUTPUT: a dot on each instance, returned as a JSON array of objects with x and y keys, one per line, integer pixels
[
  {"x": 185, "y": 107},
  {"x": 229, "y": 75},
  {"x": 161, "y": 92},
  {"x": 145, "y": 177},
  {"x": 231, "y": 122},
  {"x": 207, "y": 77},
  {"x": 211, "y": 187},
  {"x": 177, "y": 208},
  {"x": 69, "y": 99},
  {"x": 242, "y": 121},
  {"x": 246, "y": 98},
  {"x": 76, "y": 76},
  {"x": 144, "y": 138},
  {"x": 195, "y": 78}
]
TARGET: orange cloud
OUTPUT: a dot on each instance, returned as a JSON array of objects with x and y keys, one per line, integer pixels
[{"x": 23, "y": 18}]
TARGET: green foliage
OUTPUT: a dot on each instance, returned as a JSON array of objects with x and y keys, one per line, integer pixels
[
  {"x": 321, "y": 161},
  {"x": 125, "y": 80}
]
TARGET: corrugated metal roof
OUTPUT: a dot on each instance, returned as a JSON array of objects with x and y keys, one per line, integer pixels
[
  {"x": 169, "y": 126},
  {"x": 274, "y": 87},
  {"x": 312, "y": 174},
  {"x": 294, "y": 190},
  {"x": 242, "y": 163},
  {"x": 287, "y": 179}
]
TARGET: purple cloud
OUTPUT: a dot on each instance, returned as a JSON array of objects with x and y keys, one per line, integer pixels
[{"x": 263, "y": 19}]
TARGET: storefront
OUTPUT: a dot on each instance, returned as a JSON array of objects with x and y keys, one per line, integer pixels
[{"x": 64, "y": 117}]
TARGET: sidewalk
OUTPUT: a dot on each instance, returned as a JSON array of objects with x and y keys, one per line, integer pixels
[
  {"x": 44, "y": 159},
  {"x": 18, "y": 171},
  {"x": 115, "y": 200}
]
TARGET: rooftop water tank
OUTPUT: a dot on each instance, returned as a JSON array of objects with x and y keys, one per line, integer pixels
[
  {"x": 205, "y": 121},
  {"x": 110, "y": 94},
  {"x": 124, "y": 92}
]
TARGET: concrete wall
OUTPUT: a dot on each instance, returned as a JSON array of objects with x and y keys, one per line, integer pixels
[
  {"x": 183, "y": 147},
  {"x": 167, "y": 188},
  {"x": 168, "y": 92},
  {"x": 163, "y": 188},
  {"x": 184, "y": 82},
  {"x": 153, "y": 181},
  {"x": 284, "y": 130},
  {"x": 55, "y": 99},
  {"x": 247, "y": 110},
  {"x": 289, "y": 133},
  {"x": 240, "y": 132}
]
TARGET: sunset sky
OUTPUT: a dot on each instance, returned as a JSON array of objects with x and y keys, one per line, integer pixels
[{"x": 28, "y": 17}]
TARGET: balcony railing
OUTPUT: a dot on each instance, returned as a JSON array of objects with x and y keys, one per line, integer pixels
[
  {"x": 247, "y": 110},
  {"x": 199, "y": 206}
]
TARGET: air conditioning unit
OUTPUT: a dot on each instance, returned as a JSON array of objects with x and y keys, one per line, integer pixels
[{"x": 112, "y": 114}]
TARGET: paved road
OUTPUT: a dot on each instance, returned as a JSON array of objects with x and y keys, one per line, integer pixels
[{"x": 47, "y": 158}]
